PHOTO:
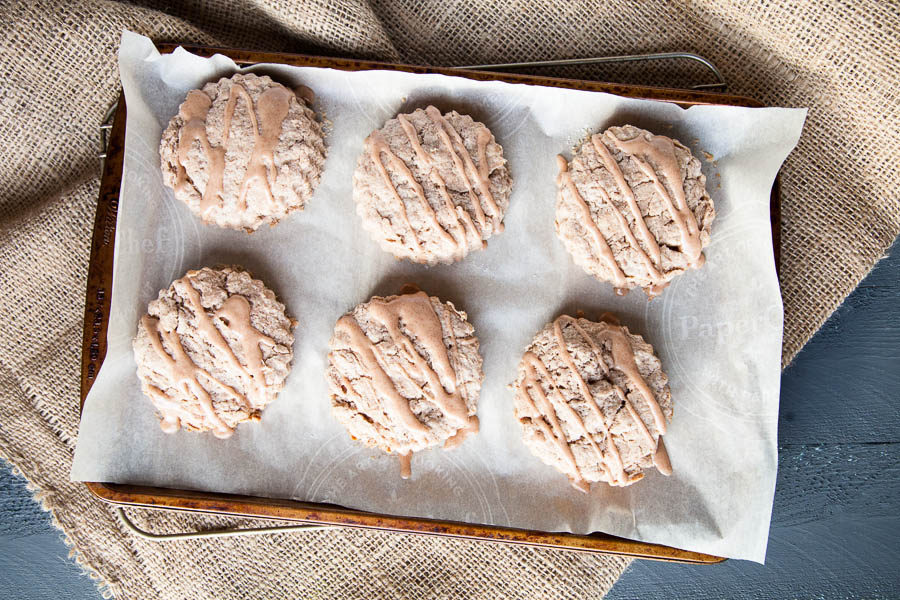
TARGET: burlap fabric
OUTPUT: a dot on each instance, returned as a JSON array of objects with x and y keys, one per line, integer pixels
[{"x": 58, "y": 65}]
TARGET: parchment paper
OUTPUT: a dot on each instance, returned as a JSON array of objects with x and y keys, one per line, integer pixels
[{"x": 716, "y": 330}]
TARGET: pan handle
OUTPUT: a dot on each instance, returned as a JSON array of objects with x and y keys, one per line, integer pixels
[
  {"x": 720, "y": 84},
  {"x": 215, "y": 533}
]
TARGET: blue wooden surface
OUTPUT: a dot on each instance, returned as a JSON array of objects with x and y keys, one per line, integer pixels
[
  {"x": 34, "y": 563},
  {"x": 836, "y": 520}
]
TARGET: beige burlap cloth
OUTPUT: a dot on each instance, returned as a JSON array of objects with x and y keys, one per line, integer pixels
[{"x": 841, "y": 210}]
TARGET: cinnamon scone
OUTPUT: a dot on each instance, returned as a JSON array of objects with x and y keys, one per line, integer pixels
[
  {"x": 593, "y": 401},
  {"x": 632, "y": 209},
  {"x": 430, "y": 187},
  {"x": 405, "y": 374},
  {"x": 213, "y": 351},
  {"x": 243, "y": 152}
]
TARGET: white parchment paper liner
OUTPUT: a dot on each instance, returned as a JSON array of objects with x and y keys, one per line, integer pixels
[{"x": 717, "y": 330}]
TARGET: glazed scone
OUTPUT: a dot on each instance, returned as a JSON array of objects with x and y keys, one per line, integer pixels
[
  {"x": 632, "y": 209},
  {"x": 405, "y": 374},
  {"x": 430, "y": 187},
  {"x": 242, "y": 152},
  {"x": 213, "y": 351},
  {"x": 593, "y": 402}
]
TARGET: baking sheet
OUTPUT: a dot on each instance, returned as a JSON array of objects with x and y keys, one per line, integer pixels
[{"x": 717, "y": 330}]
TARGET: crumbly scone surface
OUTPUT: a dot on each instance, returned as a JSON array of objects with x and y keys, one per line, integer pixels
[
  {"x": 430, "y": 187},
  {"x": 243, "y": 152},
  {"x": 392, "y": 367},
  {"x": 213, "y": 351},
  {"x": 548, "y": 389},
  {"x": 632, "y": 208}
]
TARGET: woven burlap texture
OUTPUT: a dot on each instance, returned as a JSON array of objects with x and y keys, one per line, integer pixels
[{"x": 58, "y": 62}]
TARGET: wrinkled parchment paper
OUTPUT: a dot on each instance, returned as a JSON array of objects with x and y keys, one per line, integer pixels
[{"x": 716, "y": 330}]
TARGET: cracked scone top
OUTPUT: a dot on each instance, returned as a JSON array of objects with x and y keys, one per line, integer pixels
[
  {"x": 242, "y": 152},
  {"x": 632, "y": 208},
  {"x": 432, "y": 187},
  {"x": 405, "y": 374},
  {"x": 593, "y": 402},
  {"x": 213, "y": 351}
]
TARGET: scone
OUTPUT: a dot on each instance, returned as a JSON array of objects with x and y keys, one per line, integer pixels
[
  {"x": 213, "y": 351},
  {"x": 430, "y": 187},
  {"x": 405, "y": 374},
  {"x": 593, "y": 402},
  {"x": 243, "y": 152},
  {"x": 632, "y": 209}
]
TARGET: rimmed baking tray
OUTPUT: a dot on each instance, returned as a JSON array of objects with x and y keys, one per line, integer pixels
[{"x": 99, "y": 286}]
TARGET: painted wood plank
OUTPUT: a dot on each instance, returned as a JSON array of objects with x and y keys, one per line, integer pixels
[
  {"x": 37, "y": 567},
  {"x": 835, "y": 534},
  {"x": 844, "y": 386},
  {"x": 855, "y": 481},
  {"x": 20, "y": 515},
  {"x": 810, "y": 561}
]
